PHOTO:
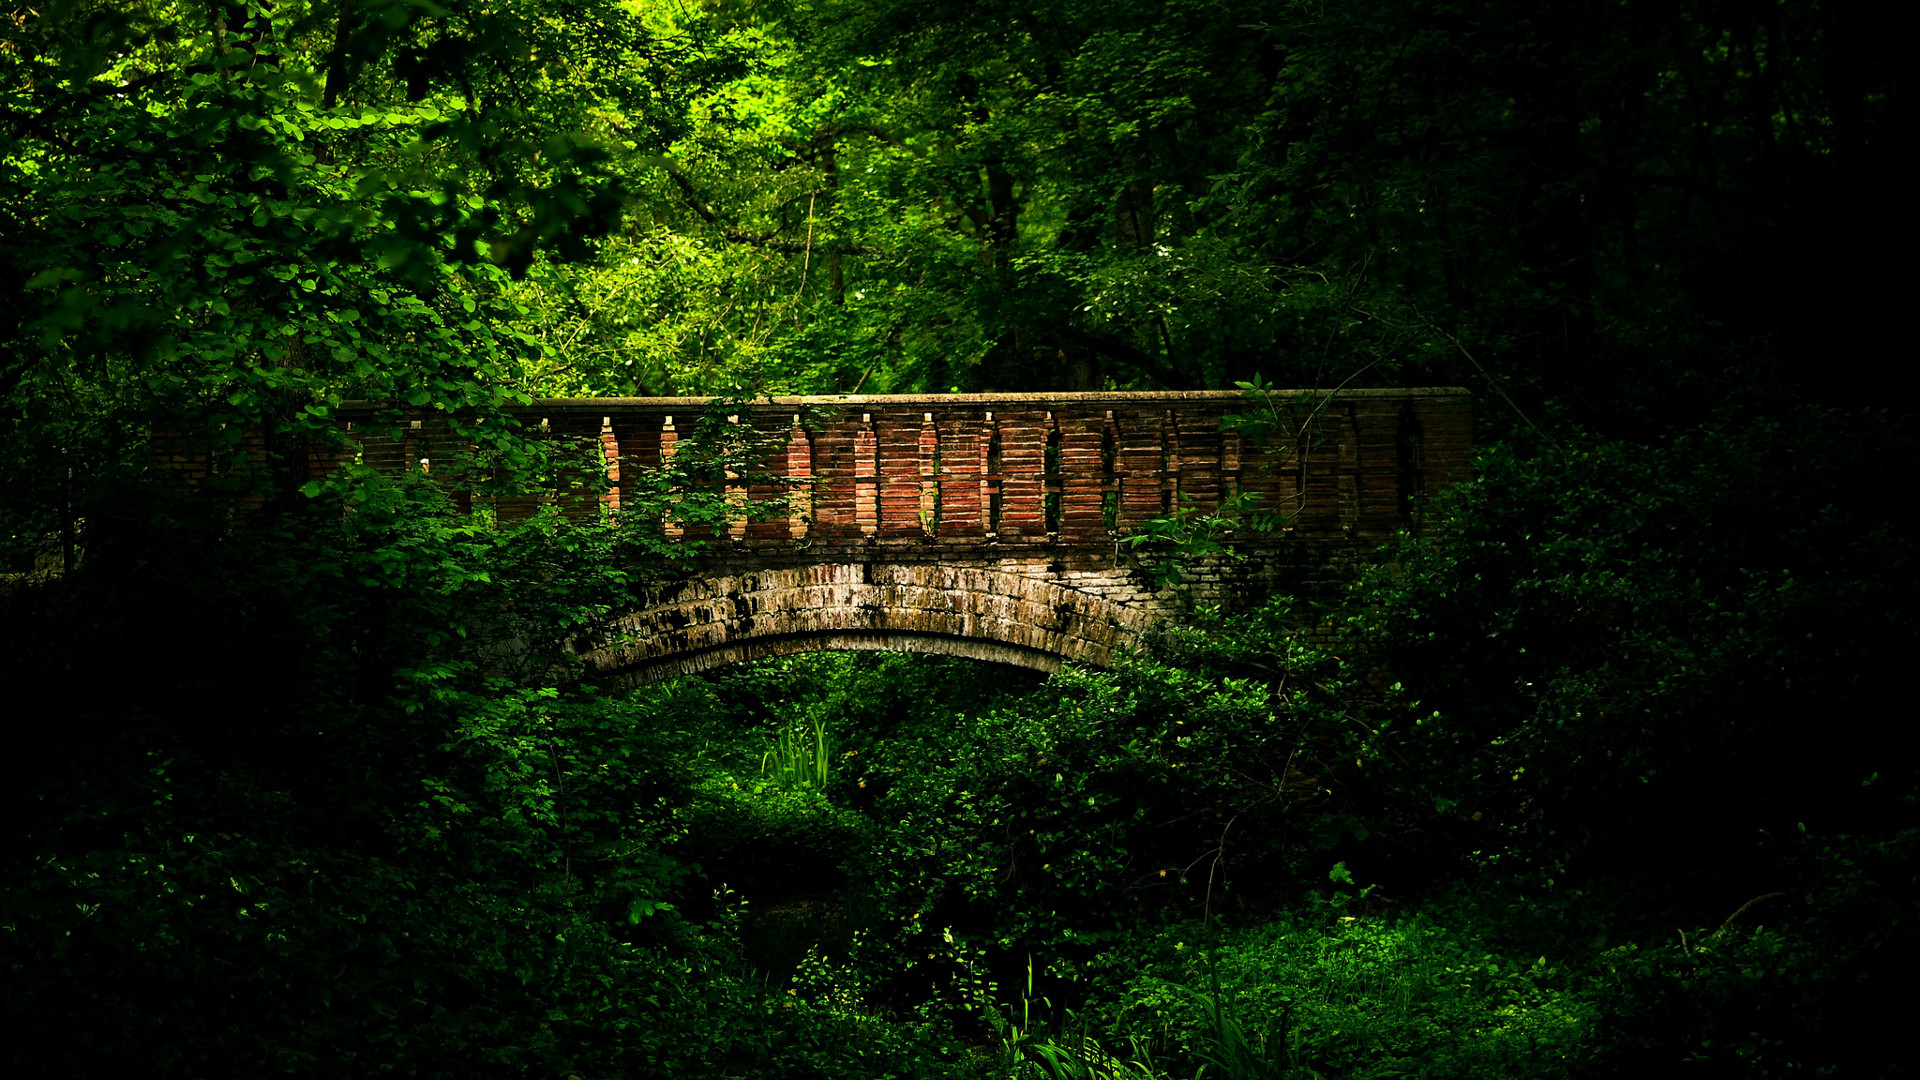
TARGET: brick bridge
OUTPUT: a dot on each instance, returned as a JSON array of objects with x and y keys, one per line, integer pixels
[{"x": 988, "y": 525}]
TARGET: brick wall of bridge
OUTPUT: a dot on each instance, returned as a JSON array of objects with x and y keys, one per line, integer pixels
[{"x": 962, "y": 470}]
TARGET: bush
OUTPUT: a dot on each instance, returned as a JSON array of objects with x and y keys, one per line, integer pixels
[{"x": 1367, "y": 995}]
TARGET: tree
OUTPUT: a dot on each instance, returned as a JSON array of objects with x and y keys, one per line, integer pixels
[
  {"x": 221, "y": 220},
  {"x": 1182, "y": 195}
]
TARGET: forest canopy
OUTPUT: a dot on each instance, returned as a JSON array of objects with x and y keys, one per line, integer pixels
[{"x": 302, "y": 792}]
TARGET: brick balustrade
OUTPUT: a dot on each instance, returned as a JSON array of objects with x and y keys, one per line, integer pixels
[
  {"x": 1072, "y": 469},
  {"x": 982, "y": 525}
]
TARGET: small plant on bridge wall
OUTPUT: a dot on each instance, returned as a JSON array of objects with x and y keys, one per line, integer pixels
[
  {"x": 1280, "y": 423},
  {"x": 1189, "y": 532},
  {"x": 798, "y": 757}
]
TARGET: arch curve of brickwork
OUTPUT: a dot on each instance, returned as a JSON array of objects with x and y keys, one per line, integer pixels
[{"x": 980, "y": 613}]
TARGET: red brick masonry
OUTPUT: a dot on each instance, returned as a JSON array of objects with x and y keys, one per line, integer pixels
[{"x": 967, "y": 467}]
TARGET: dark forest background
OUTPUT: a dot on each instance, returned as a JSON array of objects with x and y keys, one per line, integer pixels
[{"x": 1597, "y": 776}]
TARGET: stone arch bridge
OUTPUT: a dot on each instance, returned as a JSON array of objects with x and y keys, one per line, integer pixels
[{"x": 989, "y": 525}]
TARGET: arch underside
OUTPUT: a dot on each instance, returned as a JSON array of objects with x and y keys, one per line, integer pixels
[
  {"x": 689, "y": 663},
  {"x": 982, "y": 614}
]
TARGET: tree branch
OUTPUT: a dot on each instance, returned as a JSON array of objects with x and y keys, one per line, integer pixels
[
  {"x": 1743, "y": 910},
  {"x": 795, "y": 247}
]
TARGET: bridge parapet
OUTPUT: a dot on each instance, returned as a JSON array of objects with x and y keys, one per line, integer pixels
[{"x": 969, "y": 471}]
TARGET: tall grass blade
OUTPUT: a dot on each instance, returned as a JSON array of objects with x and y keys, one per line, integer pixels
[{"x": 799, "y": 758}]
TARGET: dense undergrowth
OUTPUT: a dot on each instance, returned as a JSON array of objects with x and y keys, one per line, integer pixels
[
  {"x": 1599, "y": 776},
  {"x": 1595, "y": 783}
]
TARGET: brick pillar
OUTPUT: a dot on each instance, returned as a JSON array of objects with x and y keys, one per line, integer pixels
[
  {"x": 1022, "y": 469},
  {"x": 1446, "y": 429},
  {"x": 637, "y": 437},
  {"x": 834, "y": 453},
  {"x": 576, "y": 436},
  {"x": 507, "y": 508},
  {"x": 1409, "y": 452},
  {"x": 1319, "y": 469},
  {"x": 1200, "y": 459},
  {"x": 1330, "y": 471},
  {"x": 1023, "y": 443},
  {"x": 897, "y": 436},
  {"x": 1138, "y": 452},
  {"x": 1377, "y": 465},
  {"x": 963, "y": 453},
  {"x": 770, "y": 495},
  {"x": 1082, "y": 477},
  {"x": 1266, "y": 468}
]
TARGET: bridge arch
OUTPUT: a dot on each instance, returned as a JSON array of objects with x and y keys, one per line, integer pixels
[{"x": 980, "y": 612}]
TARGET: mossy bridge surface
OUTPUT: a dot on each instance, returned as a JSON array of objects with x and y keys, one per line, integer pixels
[{"x": 987, "y": 525}]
